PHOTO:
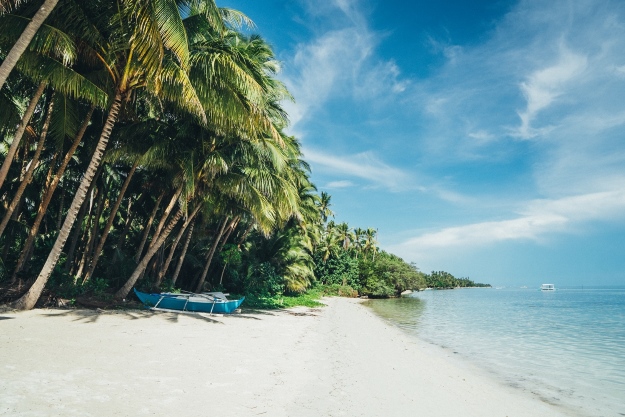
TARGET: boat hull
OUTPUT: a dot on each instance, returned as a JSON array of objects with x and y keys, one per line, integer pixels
[{"x": 189, "y": 303}]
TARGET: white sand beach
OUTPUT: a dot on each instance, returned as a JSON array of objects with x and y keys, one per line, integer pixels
[{"x": 339, "y": 360}]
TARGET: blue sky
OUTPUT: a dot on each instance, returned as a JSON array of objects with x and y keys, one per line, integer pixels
[{"x": 485, "y": 138}]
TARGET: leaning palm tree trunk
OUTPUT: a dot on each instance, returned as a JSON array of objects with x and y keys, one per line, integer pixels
[
  {"x": 28, "y": 300},
  {"x": 82, "y": 213},
  {"x": 161, "y": 224},
  {"x": 174, "y": 278},
  {"x": 47, "y": 197},
  {"x": 210, "y": 255},
  {"x": 20, "y": 132},
  {"x": 146, "y": 230},
  {"x": 29, "y": 172},
  {"x": 123, "y": 291},
  {"x": 92, "y": 231},
  {"x": 130, "y": 216},
  {"x": 172, "y": 250},
  {"x": 233, "y": 225},
  {"x": 24, "y": 40},
  {"x": 109, "y": 223}
]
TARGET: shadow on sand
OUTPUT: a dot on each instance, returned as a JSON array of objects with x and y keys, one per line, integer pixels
[{"x": 92, "y": 316}]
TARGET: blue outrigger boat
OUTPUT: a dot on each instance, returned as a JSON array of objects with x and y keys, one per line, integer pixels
[{"x": 208, "y": 302}]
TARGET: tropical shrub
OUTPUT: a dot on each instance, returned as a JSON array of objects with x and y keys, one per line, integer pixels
[
  {"x": 389, "y": 275},
  {"x": 339, "y": 269}
]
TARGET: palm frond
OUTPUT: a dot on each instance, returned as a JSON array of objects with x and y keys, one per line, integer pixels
[
  {"x": 61, "y": 78},
  {"x": 171, "y": 28}
]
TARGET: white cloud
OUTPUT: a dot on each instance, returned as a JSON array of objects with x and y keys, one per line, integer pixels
[
  {"x": 339, "y": 62},
  {"x": 339, "y": 184},
  {"x": 481, "y": 136},
  {"x": 364, "y": 165},
  {"x": 619, "y": 70},
  {"x": 538, "y": 220},
  {"x": 545, "y": 85}
]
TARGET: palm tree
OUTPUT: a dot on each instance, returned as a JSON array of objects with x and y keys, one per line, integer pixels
[
  {"x": 345, "y": 235},
  {"x": 140, "y": 64},
  {"x": 25, "y": 38},
  {"x": 330, "y": 243},
  {"x": 49, "y": 192},
  {"x": 359, "y": 244},
  {"x": 31, "y": 169},
  {"x": 17, "y": 137},
  {"x": 324, "y": 206},
  {"x": 370, "y": 245}
]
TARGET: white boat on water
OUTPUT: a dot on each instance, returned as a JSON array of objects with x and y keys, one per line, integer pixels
[{"x": 547, "y": 287}]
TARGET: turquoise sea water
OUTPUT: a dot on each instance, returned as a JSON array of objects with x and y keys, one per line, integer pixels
[{"x": 565, "y": 346}]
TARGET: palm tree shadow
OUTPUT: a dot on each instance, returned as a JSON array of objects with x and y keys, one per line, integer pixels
[
  {"x": 6, "y": 318},
  {"x": 254, "y": 311},
  {"x": 243, "y": 316},
  {"x": 92, "y": 316}
]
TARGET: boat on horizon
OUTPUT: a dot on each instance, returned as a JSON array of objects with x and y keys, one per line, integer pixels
[
  {"x": 208, "y": 302},
  {"x": 547, "y": 287}
]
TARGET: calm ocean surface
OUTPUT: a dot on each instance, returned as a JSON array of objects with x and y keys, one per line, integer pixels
[{"x": 566, "y": 346}]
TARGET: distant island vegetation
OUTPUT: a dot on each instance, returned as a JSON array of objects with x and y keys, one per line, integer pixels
[
  {"x": 444, "y": 280},
  {"x": 149, "y": 150}
]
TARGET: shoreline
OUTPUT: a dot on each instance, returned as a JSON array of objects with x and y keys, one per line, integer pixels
[{"x": 339, "y": 360}]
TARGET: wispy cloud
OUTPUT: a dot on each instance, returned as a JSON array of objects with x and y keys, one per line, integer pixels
[
  {"x": 339, "y": 61},
  {"x": 545, "y": 85},
  {"x": 538, "y": 220},
  {"x": 339, "y": 184},
  {"x": 364, "y": 165}
]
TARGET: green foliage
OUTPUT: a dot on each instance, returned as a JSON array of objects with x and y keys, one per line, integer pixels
[
  {"x": 339, "y": 269},
  {"x": 337, "y": 290},
  {"x": 445, "y": 280},
  {"x": 389, "y": 275},
  {"x": 64, "y": 286},
  {"x": 231, "y": 255},
  {"x": 264, "y": 282},
  {"x": 308, "y": 299}
]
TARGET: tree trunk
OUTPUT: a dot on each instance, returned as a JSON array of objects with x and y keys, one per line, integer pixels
[
  {"x": 76, "y": 236},
  {"x": 47, "y": 197},
  {"x": 210, "y": 255},
  {"x": 93, "y": 236},
  {"x": 34, "y": 163},
  {"x": 221, "y": 277},
  {"x": 21, "y": 128},
  {"x": 123, "y": 291},
  {"x": 78, "y": 224},
  {"x": 182, "y": 254},
  {"x": 146, "y": 231},
  {"x": 247, "y": 232},
  {"x": 109, "y": 223},
  {"x": 59, "y": 217},
  {"x": 24, "y": 40},
  {"x": 28, "y": 300},
  {"x": 163, "y": 270},
  {"x": 130, "y": 216},
  {"x": 233, "y": 225},
  {"x": 165, "y": 215}
]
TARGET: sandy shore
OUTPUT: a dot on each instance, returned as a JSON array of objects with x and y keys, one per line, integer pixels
[{"x": 340, "y": 360}]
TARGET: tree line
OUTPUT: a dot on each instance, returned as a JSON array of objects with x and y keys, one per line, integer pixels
[{"x": 445, "y": 280}]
